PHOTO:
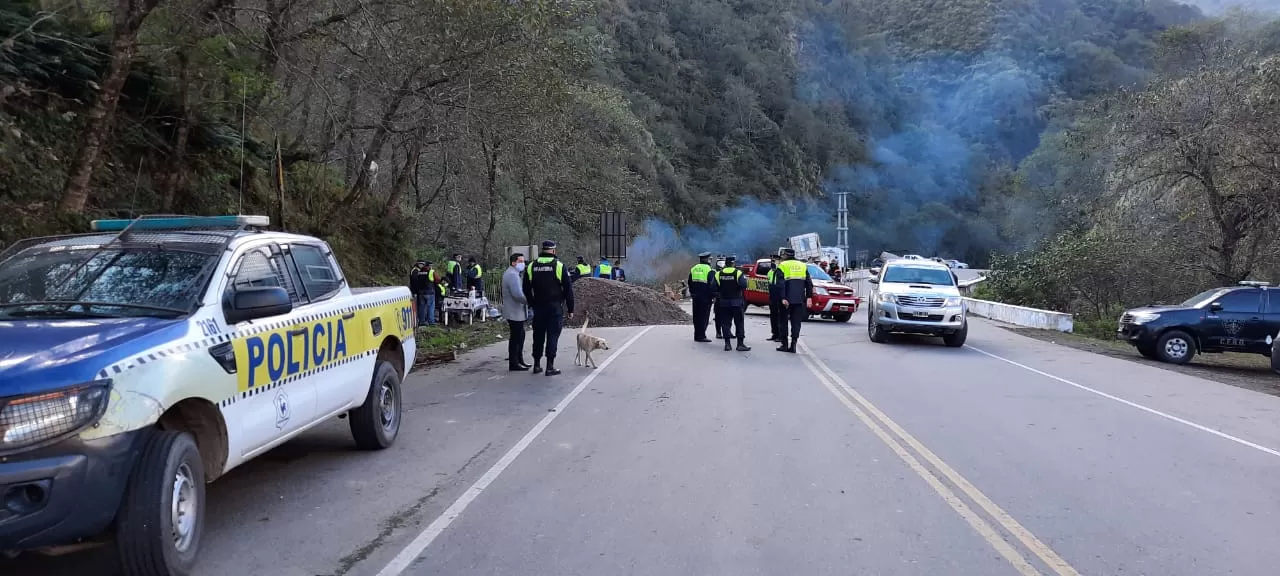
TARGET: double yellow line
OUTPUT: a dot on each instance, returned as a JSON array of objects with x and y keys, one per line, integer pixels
[{"x": 907, "y": 448}]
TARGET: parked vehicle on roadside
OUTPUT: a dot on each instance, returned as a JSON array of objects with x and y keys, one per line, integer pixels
[
  {"x": 153, "y": 355},
  {"x": 831, "y": 300},
  {"x": 1243, "y": 318},
  {"x": 916, "y": 297},
  {"x": 1275, "y": 353}
]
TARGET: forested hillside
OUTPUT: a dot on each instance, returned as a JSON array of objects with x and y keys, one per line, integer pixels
[{"x": 1139, "y": 130}]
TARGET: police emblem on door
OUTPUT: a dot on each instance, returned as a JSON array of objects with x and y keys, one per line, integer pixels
[
  {"x": 282, "y": 409},
  {"x": 1232, "y": 327}
]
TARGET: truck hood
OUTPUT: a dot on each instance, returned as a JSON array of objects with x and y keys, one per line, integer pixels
[
  {"x": 40, "y": 355},
  {"x": 918, "y": 289}
]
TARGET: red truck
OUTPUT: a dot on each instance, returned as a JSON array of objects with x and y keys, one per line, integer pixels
[{"x": 831, "y": 300}]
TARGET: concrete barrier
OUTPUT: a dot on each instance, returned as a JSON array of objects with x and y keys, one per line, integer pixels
[{"x": 1020, "y": 315}]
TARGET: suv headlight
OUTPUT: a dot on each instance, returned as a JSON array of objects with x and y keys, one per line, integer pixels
[
  {"x": 887, "y": 298},
  {"x": 1144, "y": 317},
  {"x": 820, "y": 290},
  {"x": 35, "y": 419},
  {"x": 953, "y": 301}
]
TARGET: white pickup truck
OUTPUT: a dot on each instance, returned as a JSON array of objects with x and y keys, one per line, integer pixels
[{"x": 142, "y": 360}]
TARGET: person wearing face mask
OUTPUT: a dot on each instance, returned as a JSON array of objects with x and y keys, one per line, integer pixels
[{"x": 515, "y": 309}]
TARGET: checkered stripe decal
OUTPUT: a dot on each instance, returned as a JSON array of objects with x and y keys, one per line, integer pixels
[{"x": 183, "y": 347}]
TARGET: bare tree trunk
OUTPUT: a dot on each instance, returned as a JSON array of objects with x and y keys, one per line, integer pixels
[
  {"x": 175, "y": 181},
  {"x": 75, "y": 193},
  {"x": 491, "y": 161},
  {"x": 406, "y": 175}
]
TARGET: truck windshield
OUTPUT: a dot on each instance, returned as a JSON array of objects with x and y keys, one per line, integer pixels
[
  {"x": 1201, "y": 298},
  {"x": 816, "y": 273},
  {"x": 145, "y": 281},
  {"x": 918, "y": 275}
]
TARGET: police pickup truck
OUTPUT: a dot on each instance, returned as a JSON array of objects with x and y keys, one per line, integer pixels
[
  {"x": 151, "y": 356},
  {"x": 1243, "y": 318}
]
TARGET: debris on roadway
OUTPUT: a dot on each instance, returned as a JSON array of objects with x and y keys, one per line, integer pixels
[{"x": 610, "y": 303}]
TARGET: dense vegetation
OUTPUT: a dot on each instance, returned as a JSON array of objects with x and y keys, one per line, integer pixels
[{"x": 1112, "y": 150}]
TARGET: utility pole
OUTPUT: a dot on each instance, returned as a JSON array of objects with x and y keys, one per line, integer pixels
[{"x": 842, "y": 222}]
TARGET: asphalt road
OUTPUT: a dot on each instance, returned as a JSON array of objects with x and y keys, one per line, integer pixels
[{"x": 1012, "y": 456}]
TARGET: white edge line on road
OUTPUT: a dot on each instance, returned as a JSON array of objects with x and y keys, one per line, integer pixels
[
  {"x": 1200, "y": 427},
  {"x": 410, "y": 553},
  {"x": 1020, "y": 532}
]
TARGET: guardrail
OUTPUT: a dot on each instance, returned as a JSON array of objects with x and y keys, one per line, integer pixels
[{"x": 1020, "y": 315}]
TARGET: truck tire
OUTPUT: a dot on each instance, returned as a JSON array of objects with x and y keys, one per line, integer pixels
[
  {"x": 956, "y": 339},
  {"x": 1147, "y": 351},
  {"x": 376, "y": 423},
  {"x": 154, "y": 535},
  {"x": 1275, "y": 356},
  {"x": 874, "y": 332},
  {"x": 843, "y": 316},
  {"x": 1175, "y": 347}
]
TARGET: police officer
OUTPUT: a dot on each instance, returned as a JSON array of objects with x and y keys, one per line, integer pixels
[
  {"x": 775, "y": 299},
  {"x": 700, "y": 291},
  {"x": 549, "y": 289},
  {"x": 797, "y": 289},
  {"x": 731, "y": 303},
  {"x": 581, "y": 269},
  {"x": 715, "y": 308}
]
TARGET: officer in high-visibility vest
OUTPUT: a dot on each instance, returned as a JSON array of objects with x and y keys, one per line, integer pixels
[
  {"x": 475, "y": 276},
  {"x": 716, "y": 319},
  {"x": 797, "y": 290},
  {"x": 603, "y": 270},
  {"x": 580, "y": 269},
  {"x": 700, "y": 291},
  {"x": 549, "y": 290},
  {"x": 731, "y": 303},
  {"x": 453, "y": 272}
]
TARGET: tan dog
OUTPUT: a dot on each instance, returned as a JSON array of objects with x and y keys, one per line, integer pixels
[{"x": 588, "y": 344}]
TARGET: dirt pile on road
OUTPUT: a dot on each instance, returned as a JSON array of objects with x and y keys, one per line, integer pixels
[{"x": 611, "y": 303}]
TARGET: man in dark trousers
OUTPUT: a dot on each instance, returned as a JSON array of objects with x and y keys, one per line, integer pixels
[
  {"x": 700, "y": 291},
  {"x": 549, "y": 289},
  {"x": 775, "y": 299},
  {"x": 453, "y": 272},
  {"x": 731, "y": 285},
  {"x": 797, "y": 289},
  {"x": 515, "y": 309}
]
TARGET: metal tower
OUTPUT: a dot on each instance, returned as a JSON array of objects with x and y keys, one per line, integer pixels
[{"x": 842, "y": 223}]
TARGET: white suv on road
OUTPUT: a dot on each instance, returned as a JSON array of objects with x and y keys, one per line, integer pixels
[{"x": 916, "y": 297}]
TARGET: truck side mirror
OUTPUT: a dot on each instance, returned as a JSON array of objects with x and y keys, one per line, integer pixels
[
  {"x": 1215, "y": 307},
  {"x": 253, "y": 302},
  {"x": 874, "y": 271},
  {"x": 873, "y": 280}
]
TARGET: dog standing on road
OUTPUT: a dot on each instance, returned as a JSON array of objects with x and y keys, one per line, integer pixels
[{"x": 588, "y": 344}]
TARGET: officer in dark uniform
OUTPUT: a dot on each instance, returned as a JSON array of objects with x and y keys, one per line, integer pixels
[
  {"x": 549, "y": 289},
  {"x": 701, "y": 292},
  {"x": 775, "y": 299},
  {"x": 797, "y": 289},
  {"x": 731, "y": 303},
  {"x": 717, "y": 319}
]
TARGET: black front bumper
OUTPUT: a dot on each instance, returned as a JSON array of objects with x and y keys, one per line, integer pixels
[
  {"x": 1137, "y": 334},
  {"x": 64, "y": 493}
]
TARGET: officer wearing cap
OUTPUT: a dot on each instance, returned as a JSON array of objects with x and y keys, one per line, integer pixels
[
  {"x": 715, "y": 308},
  {"x": 580, "y": 270},
  {"x": 700, "y": 291},
  {"x": 549, "y": 289},
  {"x": 797, "y": 289},
  {"x": 775, "y": 299},
  {"x": 731, "y": 303}
]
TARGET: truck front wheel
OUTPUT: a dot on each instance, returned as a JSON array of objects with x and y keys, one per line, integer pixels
[
  {"x": 843, "y": 316},
  {"x": 162, "y": 513},
  {"x": 376, "y": 423},
  {"x": 956, "y": 339}
]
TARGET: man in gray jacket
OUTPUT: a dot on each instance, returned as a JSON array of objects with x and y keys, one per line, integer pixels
[{"x": 515, "y": 309}]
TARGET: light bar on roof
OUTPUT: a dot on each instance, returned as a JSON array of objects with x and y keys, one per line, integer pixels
[{"x": 180, "y": 223}]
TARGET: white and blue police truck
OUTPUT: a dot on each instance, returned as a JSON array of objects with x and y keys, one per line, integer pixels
[{"x": 153, "y": 355}]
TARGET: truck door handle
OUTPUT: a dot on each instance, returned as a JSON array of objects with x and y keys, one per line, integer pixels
[{"x": 348, "y": 315}]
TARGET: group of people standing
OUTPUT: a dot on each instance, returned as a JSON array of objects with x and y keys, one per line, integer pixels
[
  {"x": 430, "y": 287},
  {"x": 723, "y": 288},
  {"x": 540, "y": 292},
  {"x": 602, "y": 270}
]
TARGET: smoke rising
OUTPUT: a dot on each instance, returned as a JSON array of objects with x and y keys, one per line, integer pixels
[{"x": 748, "y": 230}]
